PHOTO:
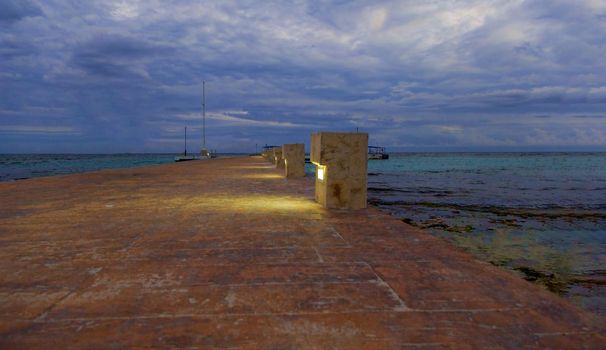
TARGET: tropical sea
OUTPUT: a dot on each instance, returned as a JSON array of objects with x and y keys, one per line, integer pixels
[
  {"x": 25, "y": 166},
  {"x": 540, "y": 215}
]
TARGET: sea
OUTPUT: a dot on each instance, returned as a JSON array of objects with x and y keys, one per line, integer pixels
[
  {"x": 541, "y": 216},
  {"x": 24, "y": 166}
]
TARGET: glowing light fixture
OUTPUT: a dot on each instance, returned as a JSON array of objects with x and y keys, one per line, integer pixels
[{"x": 320, "y": 173}]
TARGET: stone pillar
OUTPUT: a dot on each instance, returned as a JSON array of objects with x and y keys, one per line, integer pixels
[
  {"x": 269, "y": 155},
  {"x": 294, "y": 159},
  {"x": 277, "y": 157},
  {"x": 341, "y": 161}
]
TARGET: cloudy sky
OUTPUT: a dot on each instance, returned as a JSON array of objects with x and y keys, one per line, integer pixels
[{"x": 126, "y": 76}]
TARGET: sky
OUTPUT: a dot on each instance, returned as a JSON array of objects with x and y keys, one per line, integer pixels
[{"x": 417, "y": 75}]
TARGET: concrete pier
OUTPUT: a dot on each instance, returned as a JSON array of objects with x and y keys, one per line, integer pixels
[{"x": 227, "y": 253}]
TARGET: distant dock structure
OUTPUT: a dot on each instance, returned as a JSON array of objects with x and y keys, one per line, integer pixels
[
  {"x": 374, "y": 153},
  {"x": 377, "y": 153}
]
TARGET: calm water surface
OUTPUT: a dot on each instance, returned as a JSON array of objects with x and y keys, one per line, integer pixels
[{"x": 24, "y": 166}]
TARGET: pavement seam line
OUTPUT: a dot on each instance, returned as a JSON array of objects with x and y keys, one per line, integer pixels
[{"x": 381, "y": 282}]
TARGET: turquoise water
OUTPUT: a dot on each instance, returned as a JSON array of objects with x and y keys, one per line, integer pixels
[
  {"x": 523, "y": 180},
  {"x": 540, "y": 215},
  {"x": 25, "y": 166}
]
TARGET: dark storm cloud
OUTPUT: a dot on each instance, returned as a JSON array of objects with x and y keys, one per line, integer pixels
[
  {"x": 125, "y": 75},
  {"x": 12, "y": 48},
  {"x": 115, "y": 56},
  {"x": 14, "y": 10}
]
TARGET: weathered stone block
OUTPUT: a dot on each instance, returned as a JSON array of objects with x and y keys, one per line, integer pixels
[
  {"x": 341, "y": 161},
  {"x": 277, "y": 157},
  {"x": 294, "y": 159}
]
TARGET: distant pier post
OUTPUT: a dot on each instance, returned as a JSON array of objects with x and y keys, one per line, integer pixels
[
  {"x": 341, "y": 161},
  {"x": 294, "y": 159}
]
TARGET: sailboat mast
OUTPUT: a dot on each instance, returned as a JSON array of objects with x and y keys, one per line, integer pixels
[
  {"x": 203, "y": 114},
  {"x": 185, "y": 143}
]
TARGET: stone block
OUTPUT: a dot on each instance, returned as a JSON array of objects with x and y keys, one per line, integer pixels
[
  {"x": 277, "y": 157},
  {"x": 341, "y": 161},
  {"x": 294, "y": 159}
]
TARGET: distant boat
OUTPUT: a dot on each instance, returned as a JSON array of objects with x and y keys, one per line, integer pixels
[
  {"x": 204, "y": 152},
  {"x": 184, "y": 157},
  {"x": 376, "y": 152}
]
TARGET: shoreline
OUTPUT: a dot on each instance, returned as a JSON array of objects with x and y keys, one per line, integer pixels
[{"x": 522, "y": 241}]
